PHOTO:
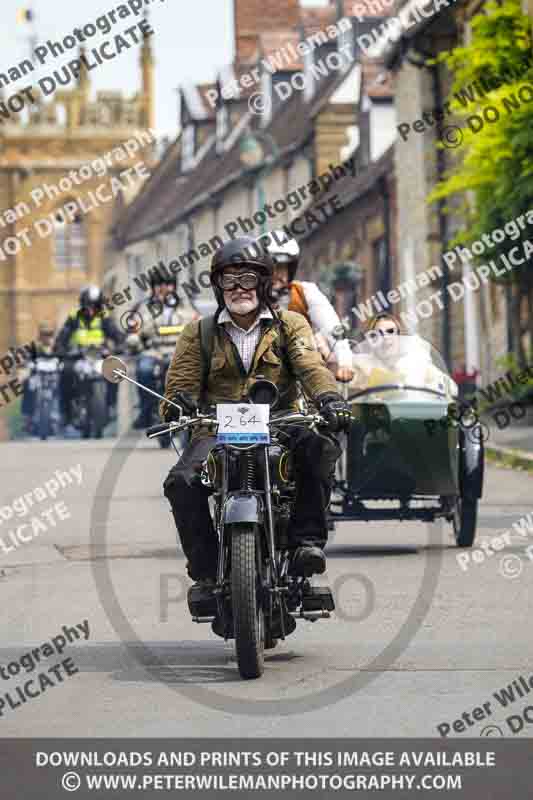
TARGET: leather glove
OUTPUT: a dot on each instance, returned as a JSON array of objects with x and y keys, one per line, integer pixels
[
  {"x": 335, "y": 411},
  {"x": 185, "y": 401}
]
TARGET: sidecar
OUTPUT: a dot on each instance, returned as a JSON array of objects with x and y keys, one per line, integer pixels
[{"x": 409, "y": 455}]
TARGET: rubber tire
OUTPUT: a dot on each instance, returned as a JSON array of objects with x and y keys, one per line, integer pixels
[
  {"x": 464, "y": 528},
  {"x": 248, "y": 617},
  {"x": 44, "y": 419},
  {"x": 98, "y": 408}
]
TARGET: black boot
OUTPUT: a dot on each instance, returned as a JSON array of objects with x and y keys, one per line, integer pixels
[{"x": 308, "y": 559}]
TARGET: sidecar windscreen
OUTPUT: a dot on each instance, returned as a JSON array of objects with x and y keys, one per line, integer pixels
[{"x": 391, "y": 362}]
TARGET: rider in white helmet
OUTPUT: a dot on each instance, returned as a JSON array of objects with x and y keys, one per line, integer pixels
[{"x": 307, "y": 299}]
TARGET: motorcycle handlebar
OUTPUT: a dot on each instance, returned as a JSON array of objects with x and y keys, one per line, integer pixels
[
  {"x": 155, "y": 430},
  {"x": 186, "y": 422}
]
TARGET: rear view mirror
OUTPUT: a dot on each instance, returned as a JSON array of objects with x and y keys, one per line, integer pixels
[{"x": 114, "y": 369}]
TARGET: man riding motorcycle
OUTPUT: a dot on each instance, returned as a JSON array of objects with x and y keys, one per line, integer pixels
[
  {"x": 251, "y": 339},
  {"x": 161, "y": 322},
  {"x": 88, "y": 326},
  {"x": 307, "y": 299},
  {"x": 43, "y": 346}
]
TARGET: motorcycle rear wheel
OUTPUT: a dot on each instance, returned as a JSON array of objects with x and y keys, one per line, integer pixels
[{"x": 248, "y": 613}]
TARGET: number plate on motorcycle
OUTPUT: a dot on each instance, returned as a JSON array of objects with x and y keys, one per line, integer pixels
[{"x": 243, "y": 423}]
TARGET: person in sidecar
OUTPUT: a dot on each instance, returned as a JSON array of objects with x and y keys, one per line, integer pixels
[
  {"x": 251, "y": 339},
  {"x": 391, "y": 356}
]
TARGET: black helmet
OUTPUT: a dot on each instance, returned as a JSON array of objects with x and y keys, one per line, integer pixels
[
  {"x": 244, "y": 251},
  {"x": 161, "y": 276},
  {"x": 91, "y": 297}
]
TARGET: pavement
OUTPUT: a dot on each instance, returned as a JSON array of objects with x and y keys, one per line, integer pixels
[
  {"x": 417, "y": 641},
  {"x": 516, "y": 437}
]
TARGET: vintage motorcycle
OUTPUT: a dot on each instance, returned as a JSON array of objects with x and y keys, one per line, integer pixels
[
  {"x": 43, "y": 385},
  {"x": 90, "y": 401},
  {"x": 249, "y": 473}
]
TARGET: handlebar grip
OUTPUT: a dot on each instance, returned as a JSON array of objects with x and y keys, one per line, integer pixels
[{"x": 157, "y": 429}]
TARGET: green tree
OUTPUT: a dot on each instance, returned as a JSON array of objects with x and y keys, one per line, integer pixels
[{"x": 495, "y": 166}]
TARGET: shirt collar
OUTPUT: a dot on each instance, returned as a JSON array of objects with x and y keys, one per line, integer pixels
[{"x": 225, "y": 317}]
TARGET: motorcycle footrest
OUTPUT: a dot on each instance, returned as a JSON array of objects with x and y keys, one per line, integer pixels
[{"x": 318, "y": 598}]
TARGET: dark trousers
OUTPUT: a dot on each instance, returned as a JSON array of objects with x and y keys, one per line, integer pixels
[{"x": 314, "y": 458}]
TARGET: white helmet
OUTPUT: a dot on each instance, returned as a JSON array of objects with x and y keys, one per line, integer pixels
[{"x": 284, "y": 250}]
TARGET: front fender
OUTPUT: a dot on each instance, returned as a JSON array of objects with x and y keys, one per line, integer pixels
[{"x": 243, "y": 507}]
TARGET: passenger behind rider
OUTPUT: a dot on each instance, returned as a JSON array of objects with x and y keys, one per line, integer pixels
[
  {"x": 251, "y": 339},
  {"x": 307, "y": 299},
  {"x": 87, "y": 326}
]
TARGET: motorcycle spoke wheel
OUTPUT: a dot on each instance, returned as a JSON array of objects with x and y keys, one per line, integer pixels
[{"x": 248, "y": 613}]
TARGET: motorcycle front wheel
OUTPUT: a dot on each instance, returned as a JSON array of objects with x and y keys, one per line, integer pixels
[
  {"x": 98, "y": 408},
  {"x": 248, "y": 612},
  {"x": 44, "y": 417}
]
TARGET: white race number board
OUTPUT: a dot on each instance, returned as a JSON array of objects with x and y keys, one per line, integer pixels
[{"x": 243, "y": 423}]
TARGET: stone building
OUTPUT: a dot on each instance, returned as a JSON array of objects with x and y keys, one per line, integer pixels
[
  {"x": 285, "y": 112},
  {"x": 53, "y": 222},
  {"x": 475, "y": 330}
]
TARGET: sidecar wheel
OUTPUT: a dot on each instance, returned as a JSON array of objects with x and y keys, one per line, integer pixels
[
  {"x": 465, "y": 521},
  {"x": 248, "y": 614}
]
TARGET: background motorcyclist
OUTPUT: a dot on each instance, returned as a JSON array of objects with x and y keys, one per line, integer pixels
[
  {"x": 87, "y": 326},
  {"x": 306, "y": 298},
  {"x": 44, "y": 345},
  {"x": 251, "y": 338},
  {"x": 161, "y": 320}
]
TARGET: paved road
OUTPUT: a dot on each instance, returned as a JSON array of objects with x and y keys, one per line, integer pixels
[{"x": 417, "y": 641}]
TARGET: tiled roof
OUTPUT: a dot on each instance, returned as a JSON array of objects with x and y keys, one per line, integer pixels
[
  {"x": 349, "y": 189},
  {"x": 166, "y": 197}
]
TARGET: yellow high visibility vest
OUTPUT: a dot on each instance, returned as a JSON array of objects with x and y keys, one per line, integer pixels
[{"x": 91, "y": 335}]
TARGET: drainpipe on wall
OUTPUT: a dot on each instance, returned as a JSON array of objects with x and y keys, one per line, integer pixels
[
  {"x": 387, "y": 226},
  {"x": 443, "y": 225}
]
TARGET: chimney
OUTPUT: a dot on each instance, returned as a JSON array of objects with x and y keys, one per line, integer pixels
[{"x": 253, "y": 17}]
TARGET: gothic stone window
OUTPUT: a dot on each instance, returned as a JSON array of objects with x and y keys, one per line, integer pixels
[{"x": 70, "y": 243}]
